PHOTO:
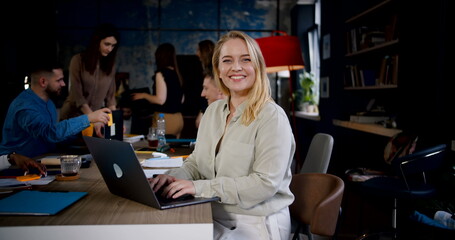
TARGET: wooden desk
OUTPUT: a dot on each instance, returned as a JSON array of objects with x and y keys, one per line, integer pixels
[{"x": 102, "y": 215}]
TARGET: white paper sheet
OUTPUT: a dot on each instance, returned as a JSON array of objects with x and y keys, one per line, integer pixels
[
  {"x": 5, "y": 182},
  {"x": 50, "y": 160},
  {"x": 163, "y": 162}
]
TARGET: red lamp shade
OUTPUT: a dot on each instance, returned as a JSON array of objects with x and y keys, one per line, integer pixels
[{"x": 281, "y": 53}]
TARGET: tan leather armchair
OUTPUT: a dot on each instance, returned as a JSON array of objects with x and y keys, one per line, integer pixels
[{"x": 317, "y": 203}]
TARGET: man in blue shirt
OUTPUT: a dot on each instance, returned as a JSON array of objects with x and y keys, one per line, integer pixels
[{"x": 31, "y": 126}]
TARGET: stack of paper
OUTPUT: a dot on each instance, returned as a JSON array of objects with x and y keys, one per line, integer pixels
[
  {"x": 132, "y": 138},
  {"x": 51, "y": 160},
  {"x": 163, "y": 162}
]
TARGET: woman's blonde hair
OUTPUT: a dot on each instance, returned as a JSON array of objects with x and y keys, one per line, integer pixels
[{"x": 260, "y": 93}]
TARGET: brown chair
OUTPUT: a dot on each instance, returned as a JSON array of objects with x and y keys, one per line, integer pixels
[{"x": 317, "y": 203}]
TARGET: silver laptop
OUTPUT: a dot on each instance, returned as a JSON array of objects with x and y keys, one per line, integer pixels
[{"x": 124, "y": 176}]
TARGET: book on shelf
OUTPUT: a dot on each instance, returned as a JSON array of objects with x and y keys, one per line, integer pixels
[
  {"x": 354, "y": 40},
  {"x": 371, "y": 38},
  {"x": 394, "y": 70},
  {"x": 350, "y": 76},
  {"x": 369, "y": 77},
  {"x": 388, "y": 74},
  {"x": 391, "y": 29},
  {"x": 382, "y": 71},
  {"x": 355, "y": 76},
  {"x": 364, "y": 37},
  {"x": 347, "y": 76},
  {"x": 358, "y": 81}
]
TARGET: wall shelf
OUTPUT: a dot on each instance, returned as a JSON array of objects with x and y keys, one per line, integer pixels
[
  {"x": 389, "y": 86},
  {"x": 374, "y": 48},
  {"x": 301, "y": 114},
  {"x": 369, "y": 11},
  {"x": 367, "y": 127}
]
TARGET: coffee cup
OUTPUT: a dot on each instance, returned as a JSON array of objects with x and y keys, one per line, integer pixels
[
  {"x": 152, "y": 138},
  {"x": 70, "y": 165}
]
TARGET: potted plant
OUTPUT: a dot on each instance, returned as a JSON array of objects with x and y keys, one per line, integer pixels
[{"x": 305, "y": 93}]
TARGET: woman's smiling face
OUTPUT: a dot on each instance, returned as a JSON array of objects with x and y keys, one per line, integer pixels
[{"x": 235, "y": 66}]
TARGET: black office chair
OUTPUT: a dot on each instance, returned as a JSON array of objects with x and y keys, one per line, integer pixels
[{"x": 410, "y": 182}]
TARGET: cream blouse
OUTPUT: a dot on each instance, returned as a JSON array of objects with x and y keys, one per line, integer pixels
[{"x": 251, "y": 171}]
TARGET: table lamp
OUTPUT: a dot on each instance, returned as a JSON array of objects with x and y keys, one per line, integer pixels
[{"x": 283, "y": 53}]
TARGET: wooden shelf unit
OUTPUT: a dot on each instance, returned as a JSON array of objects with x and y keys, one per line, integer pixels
[
  {"x": 372, "y": 47},
  {"x": 367, "y": 127}
]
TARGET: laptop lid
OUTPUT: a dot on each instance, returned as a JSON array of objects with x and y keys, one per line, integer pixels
[{"x": 124, "y": 176}]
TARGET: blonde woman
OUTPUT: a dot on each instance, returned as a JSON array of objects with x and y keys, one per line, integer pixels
[{"x": 244, "y": 150}]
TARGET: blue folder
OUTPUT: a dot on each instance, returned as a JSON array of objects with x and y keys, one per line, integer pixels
[{"x": 28, "y": 202}]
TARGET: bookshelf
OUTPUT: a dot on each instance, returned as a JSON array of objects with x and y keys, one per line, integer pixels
[
  {"x": 371, "y": 60},
  {"x": 372, "y": 42}
]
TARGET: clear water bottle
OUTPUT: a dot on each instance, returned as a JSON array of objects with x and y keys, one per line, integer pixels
[{"x": 161, "y": 131}]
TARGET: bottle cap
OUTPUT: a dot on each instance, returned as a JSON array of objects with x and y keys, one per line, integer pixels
[{"x": 161, "y": 115}]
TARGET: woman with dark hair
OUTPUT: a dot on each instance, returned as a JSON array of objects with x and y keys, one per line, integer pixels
[
  {"x": 92, "y": 76},
  {"x": 167, "y": 90},
  {"x": 205, "y": 53}
]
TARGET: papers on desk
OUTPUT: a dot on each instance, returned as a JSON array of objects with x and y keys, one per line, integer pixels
[
  {"x": 50, "y": 160},
  {"x": 163, "y": 162},
  {"x": 9, "y": 182},
  {"x": 54, "y": 161},
  {"x": 44, "y": 203},
  {"x": 42, "y": 181},
  {"x": 132, "y": 138}
]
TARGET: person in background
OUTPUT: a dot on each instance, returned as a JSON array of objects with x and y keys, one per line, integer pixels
[
  {"x": 31, "y": 127},
  {"x": 210, "y": 92},
  {"x": 21, "y": 161},
  {"x": 92, "y": 76},
  {"x": 244, "y": 150},
  {"x": 168, "y": 91},
  {"x": 127, "y": 112},
  {"x": 204, "y": 52}
]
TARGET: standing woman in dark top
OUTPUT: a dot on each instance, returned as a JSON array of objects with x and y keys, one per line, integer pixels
[
  {"x": 92, "y": 76},
  {"x": 167, "y": 89},
  {"x": 205, "y": 52}
]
